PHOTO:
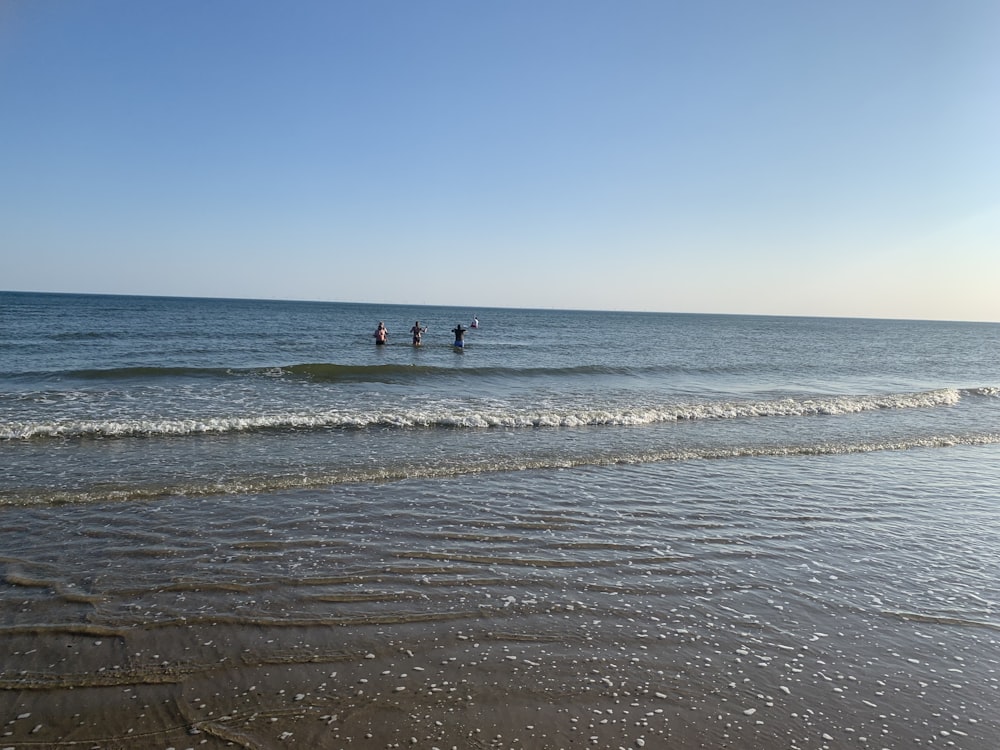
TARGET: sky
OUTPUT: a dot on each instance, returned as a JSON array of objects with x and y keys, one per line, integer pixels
[{"x": 783, "y": 157}]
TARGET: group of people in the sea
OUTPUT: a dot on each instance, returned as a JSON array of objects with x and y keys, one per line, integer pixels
[{"x": 382, "y": 333}]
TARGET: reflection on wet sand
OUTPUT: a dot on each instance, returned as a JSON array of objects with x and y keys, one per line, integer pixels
[{"x": 620, "y": 610}]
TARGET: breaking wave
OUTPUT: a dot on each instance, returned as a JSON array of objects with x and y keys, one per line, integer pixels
[{"x": 469, "y": 416}]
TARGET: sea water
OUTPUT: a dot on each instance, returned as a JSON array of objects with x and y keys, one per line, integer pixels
[{"x": 721, "y": 531}]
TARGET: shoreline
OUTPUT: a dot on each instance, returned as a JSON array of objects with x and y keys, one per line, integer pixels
[{"x": 783, "y": 602}]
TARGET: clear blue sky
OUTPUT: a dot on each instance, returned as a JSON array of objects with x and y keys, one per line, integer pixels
[{"x": 737, "y": 156}]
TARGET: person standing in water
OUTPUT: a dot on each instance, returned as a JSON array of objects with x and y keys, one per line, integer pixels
[
  {"x": 475, "y": 322},
  {"x": 417, "y": 332},
  {"x": 381, "y": 334},
  {"x": 459, "y": 332}
]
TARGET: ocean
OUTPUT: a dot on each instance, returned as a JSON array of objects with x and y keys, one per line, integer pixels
[{"x": 241, "y": 523}]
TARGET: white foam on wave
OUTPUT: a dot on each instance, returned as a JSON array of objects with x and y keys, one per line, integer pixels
[
  {"x": 470, "y": 417},
  {"x": 987, "y": 391}
]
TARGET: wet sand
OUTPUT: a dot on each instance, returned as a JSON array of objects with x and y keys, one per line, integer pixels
[{"x": 559, "y": 679}]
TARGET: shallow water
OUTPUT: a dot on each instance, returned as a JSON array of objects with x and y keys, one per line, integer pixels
[{"x": 833, "y": 601}]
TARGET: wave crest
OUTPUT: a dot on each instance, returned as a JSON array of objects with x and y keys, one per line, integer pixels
[
  {"x": 261, "y": 484},
  {"x": 467, "y": 417}
]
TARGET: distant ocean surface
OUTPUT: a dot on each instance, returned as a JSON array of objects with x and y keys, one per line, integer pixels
[{"x": 717, "y": 531}]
